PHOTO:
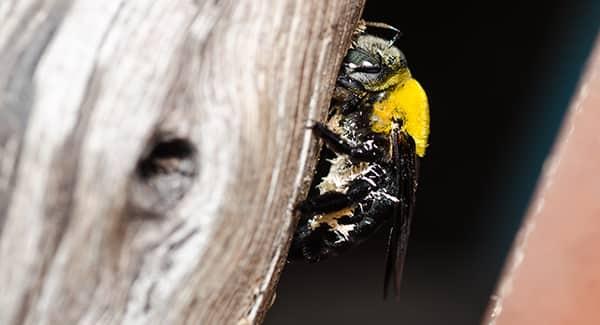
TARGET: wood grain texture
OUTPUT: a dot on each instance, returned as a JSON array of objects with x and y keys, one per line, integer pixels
[{"x": 150, "y": 153}]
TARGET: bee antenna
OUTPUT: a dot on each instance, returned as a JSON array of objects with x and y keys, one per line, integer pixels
[
  {"x": 377, "y": 24},
  {"x": 394, "y": 38}
]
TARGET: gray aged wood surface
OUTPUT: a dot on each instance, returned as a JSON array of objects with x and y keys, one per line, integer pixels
[{"x": 150, "y": 152}]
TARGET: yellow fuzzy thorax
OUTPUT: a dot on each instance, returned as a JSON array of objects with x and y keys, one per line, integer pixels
[{"x": 406, "y": 101}]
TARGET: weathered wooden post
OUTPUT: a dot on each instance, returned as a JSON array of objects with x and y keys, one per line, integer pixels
[{"x": 150, "y": 152}]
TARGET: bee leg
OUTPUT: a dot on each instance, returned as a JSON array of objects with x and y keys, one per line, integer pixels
[
  {"x": 367, "y": 151},
  {"x": 364, "y": 225},
  {"x": 371, "y": 218},
  {"x": 315, "y": 243},
  {"x": 353, "y": 229},
  {"x": 326, "y": 202},
  {"x": 333, "y": 201},
  {"x": 308, "y": 244},
  {"x": 367, "y": 218}
]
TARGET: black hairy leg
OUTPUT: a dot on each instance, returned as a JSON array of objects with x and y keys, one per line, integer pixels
[
  {"x": 333, "y": 201},
  {"x": 324, "y": 231},
  {"x": 330, "y": 234},
  {"x": 324, "y": 203},
  {"x": 367, "y": 151}
]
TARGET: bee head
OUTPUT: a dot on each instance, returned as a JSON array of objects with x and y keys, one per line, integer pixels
[{"x": 375, "y": 63}]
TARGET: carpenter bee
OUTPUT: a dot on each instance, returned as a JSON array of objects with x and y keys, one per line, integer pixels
[{"x": 377, "y": 129}]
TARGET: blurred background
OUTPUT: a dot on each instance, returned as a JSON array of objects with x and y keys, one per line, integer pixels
[{"x": 499, "y": 79}]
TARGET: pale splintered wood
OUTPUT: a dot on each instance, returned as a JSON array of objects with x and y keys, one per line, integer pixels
[{"x": 150, "y": 152}]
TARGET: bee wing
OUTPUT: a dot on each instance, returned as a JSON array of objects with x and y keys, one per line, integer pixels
[{"x": 404, "y": 159}]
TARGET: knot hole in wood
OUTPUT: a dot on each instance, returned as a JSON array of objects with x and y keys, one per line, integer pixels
[{"x": 163, "y": 175}]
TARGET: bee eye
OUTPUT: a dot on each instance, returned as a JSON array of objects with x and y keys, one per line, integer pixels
[{"x": 365, "y": 67}]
